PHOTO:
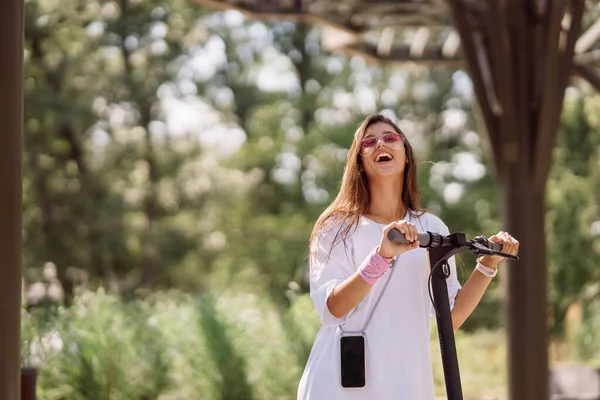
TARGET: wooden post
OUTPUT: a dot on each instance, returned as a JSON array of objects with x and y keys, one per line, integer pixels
[
  {"x": 523, "y": 215},
  {"x": 524, "y": 67},
  {"x": 11, "y": 128},
  {"x": 28, "y": 382}
]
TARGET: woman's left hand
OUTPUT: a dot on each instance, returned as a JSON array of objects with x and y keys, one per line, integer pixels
[{"x": 510, "y": 245}]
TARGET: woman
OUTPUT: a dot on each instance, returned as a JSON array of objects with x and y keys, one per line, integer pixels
[{"x": 356, "y": 292}]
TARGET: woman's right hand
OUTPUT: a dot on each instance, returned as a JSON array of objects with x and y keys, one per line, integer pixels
[{"x": 389, "y": 249}]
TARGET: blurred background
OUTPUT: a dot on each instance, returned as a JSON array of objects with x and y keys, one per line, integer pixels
[{"x": 175, "y": 160}]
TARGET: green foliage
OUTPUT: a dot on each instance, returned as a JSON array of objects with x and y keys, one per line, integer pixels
[
  {"x": 169, "y": 345},
  {"x": 587, "y": 340},
  {"x": 573, "y": 194},
  {"x": 99, "y": 348},
  {"x": 91, "y": 176},
  {"x": 233, "y": 345},
  {"x": 231, "y": 368}
]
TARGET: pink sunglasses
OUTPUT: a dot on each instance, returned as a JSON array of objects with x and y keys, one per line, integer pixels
[{"x": 393, "y": 140}]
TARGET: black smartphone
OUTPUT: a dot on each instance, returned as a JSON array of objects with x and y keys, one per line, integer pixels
[{"x": 352, "y": 357}]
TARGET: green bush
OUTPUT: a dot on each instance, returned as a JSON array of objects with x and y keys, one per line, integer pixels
[
  {"x": 588, "y": 337},
  {"x": 169, "y": 345},
  {"x": 232, "y": 345},
  {"x": 99, "y": 348}
]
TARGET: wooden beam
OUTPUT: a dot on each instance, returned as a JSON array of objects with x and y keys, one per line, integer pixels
[
  {"x": 429, "y": 8},
  {"x": 549, "y": 85},
  {"x": 295, "y": 16},
  {"x": 589, "y": 37},
  {"x": 468, "y": 46},
  {"x": 401, "y": 55},
  {"x": 358, "y": 20},
  {"x": 550, "y": 115},
  {"x": 386, "y": 41},
  {"x": 523, "y": 80},
  {"x": 396, "y": 21},
  {"x": 590, "y": 74},
  {"x": 441, "y": 4},
  {"x": 333, "y": 38},
  {"x": 591, "y": 57},
  {"x": 451, "y": 45},
  {"x": 484, "y": 66},
  {"x": 419, "y": 42},
  {"x": 11, "y": 120},
  {"x": 539, "y": 7},
  {"x": 392, "y": 7},
  {"x": 224, "y": 6},
  {"x": 502, "y": 64},
  {"x": 414, "y": 14}
]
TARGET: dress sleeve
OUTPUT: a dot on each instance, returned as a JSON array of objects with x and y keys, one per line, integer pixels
[
  {"x": 452, "y": 282},
  {"x": 327, "y": 270}
]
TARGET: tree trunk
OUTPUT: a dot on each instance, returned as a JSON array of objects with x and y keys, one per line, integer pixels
[{"x": 11, "y": 120}]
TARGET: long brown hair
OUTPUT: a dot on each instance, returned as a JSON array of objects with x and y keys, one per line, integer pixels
[{"x": 353, "y": 199}]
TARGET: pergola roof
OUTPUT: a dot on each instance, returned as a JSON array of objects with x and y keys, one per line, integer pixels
[
  {"x": 520, "y": 55},
  {"x": 419, "y": 31}
]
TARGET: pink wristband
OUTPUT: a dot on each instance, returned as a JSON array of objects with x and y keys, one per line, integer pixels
[{"x": 373, "y": 267}]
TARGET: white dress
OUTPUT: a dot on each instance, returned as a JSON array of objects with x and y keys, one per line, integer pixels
[{"x": 398, "y": 364}]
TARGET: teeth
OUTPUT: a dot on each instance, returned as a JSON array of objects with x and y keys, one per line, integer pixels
[{"x": 388, "y": 155}]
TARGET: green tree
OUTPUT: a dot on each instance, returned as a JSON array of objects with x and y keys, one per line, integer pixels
[{"x": 573, "y": 195}]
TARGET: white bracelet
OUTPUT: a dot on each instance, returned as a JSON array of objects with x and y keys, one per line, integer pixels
[{"x": 489, "y": 272}]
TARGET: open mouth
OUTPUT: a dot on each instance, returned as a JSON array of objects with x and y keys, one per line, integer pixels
[{"x": 384, "y": 157}]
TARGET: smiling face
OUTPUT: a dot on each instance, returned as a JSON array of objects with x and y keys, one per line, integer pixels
[
  {"x": 382, "y": 151},
  {"x": 353, "y": 199}
]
